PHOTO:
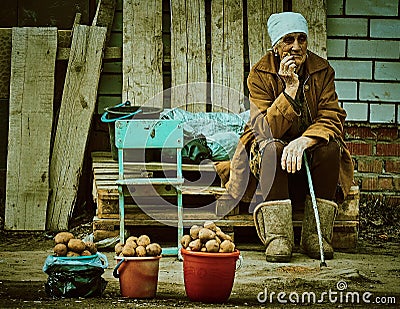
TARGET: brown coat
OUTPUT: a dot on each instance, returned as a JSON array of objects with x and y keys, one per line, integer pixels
[{"x": 272, "y": 114}]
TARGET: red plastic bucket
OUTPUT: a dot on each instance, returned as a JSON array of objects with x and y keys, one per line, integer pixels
[
  {"x": 209, "y": 277},
  {"x": 138, "y": 276}
]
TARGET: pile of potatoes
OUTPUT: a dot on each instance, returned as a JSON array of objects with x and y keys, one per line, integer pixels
[
  {"x": 138, "y": 246},
  {"x": 207, "y": 238},
  {"x": 68, "y": 245}
]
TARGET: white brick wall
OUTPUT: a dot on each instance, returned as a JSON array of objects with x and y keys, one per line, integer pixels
[
  {"x": 364, "y": 49},
  {"x": 346, "y": 90}
]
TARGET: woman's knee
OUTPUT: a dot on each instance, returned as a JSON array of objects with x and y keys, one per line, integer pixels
[{"x": 328, "y": 152}]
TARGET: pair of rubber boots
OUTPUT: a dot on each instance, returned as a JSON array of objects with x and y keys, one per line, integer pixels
[{"x": 273, "y": 221}]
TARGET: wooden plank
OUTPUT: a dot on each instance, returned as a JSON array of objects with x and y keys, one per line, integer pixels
[
  {"x": 77, "y": 107},
  {"x": 105, "y": 15},
  {"x": 258, "y": 12},
  {"x": 142, "y": 52},
  {"x": 195, "y": 217},
  {"x": 315, "y": 14},
  {"x": 188, "y": 55},
  {"x": 227, "y": 58},
  {"x": 30, "y": 122}
]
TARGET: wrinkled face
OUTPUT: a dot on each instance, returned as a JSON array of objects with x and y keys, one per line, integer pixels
[{"x": 294, "y": 44}]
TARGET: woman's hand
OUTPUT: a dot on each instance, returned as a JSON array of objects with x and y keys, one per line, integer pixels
[
  {"x": 292, "y": 154},
  {"x": 287, "y": 70}
]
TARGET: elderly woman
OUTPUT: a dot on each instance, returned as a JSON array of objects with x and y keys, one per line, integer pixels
[{"x": 294, "y": 109}]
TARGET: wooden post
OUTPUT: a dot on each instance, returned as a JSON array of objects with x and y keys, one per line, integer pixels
[
  {"x": 77, "y": 107},
  {"x": 315, "y": 14},
  {"x": 227, "y": 63},
  {"x": 30, "y": 122},
  {"x": 142, "y": 52},
  {"x": 188, "y": 55},
  {"x": 258, "y": 12}
]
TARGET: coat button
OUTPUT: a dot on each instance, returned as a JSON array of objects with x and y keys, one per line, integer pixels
[{"x": 306, "y": 87}]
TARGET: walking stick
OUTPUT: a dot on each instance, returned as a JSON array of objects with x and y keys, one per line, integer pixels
[{"x": 314, "y": 203}]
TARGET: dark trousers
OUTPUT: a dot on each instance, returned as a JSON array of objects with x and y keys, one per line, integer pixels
[{"x": 277, "y": 184}]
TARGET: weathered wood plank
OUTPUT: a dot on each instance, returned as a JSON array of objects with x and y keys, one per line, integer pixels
[
  {"x": 258, "y": 12},
  {"x": 315, "y": 14},
  {"x": 142, "y": 52},
  {"x": 30, "y": 122},
  {"x": 77, "y": 107},
  {"x": 227, "y": 59},
  {"x": 188, "y": 55},
  {"x": 105, "y": 15}
]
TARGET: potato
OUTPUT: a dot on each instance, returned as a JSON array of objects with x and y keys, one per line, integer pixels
[
  {"x": 91, "y": 247},
  {"x": 76, "y": 245},
  {"x": 195, "y": 245},
  {"x": 131, "y": 238},
  {"x": 210, "y": 225},
  {"x": 131, "y": 243},
  {"x": 141, "y": 251},
  {"x": 118, "y": 248},
  {"x": 205, "y": 235},
  {"x": 218, "y": 240},
  {"x": 194, "y": 231},
  {"x": 63, "y": 238},
  {"x": 227, "y": 246},
  {"x": 72, "y": 254},
  {"x": 86, "y": 253},
  {"x": 212, "y": 246},
  {"x": 128, "y": 251},
  {"x": 153, "y": 249},
  {"x": 143, "y": 241},
  {"x": 203, "y": 249},
  {"x": 185, "y": 240},
  {"x": 60, "y": 250},
  {"x": 223, "y": 236}
]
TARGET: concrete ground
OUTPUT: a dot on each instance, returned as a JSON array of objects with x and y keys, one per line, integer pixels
[{"x": 368, "y": 277}]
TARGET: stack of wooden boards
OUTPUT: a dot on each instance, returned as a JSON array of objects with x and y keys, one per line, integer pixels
[
  {"x": 42, "y": 185},
  {"x": 195, "y": 196}
]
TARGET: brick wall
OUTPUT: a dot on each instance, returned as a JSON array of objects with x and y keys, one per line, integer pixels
[
  {"x": 364, "y": 49},
  {"x": 375, "y": 149}
]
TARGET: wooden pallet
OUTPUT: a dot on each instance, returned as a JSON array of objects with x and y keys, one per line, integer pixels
[{"x": 105, "y": 194}]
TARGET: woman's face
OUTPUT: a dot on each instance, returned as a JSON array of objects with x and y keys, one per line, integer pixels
[{"x": 293, "y": 44}]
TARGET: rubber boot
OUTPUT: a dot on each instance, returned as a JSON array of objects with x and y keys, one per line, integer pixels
[
  {"x": 273, "y": 222},
  {"x": 309, "y": 236}
]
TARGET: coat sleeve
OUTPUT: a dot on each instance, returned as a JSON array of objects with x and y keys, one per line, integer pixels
[
  {"x": 329, "y": 118},
  {"x": 270, "y": 116}
]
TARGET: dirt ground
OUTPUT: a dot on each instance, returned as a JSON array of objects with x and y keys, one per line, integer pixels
[{"x": 370, "y": 273}]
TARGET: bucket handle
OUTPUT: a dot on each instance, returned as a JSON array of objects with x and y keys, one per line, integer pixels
[
  {"x": 115, "y": 272},
  {"x": 103, "y": 259},
  {"x": 240, "y": 260},
  {"x": 105, "y": 119}
]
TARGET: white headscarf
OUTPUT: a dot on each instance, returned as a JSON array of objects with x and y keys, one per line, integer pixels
[{"x": 280, "y": 24}]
